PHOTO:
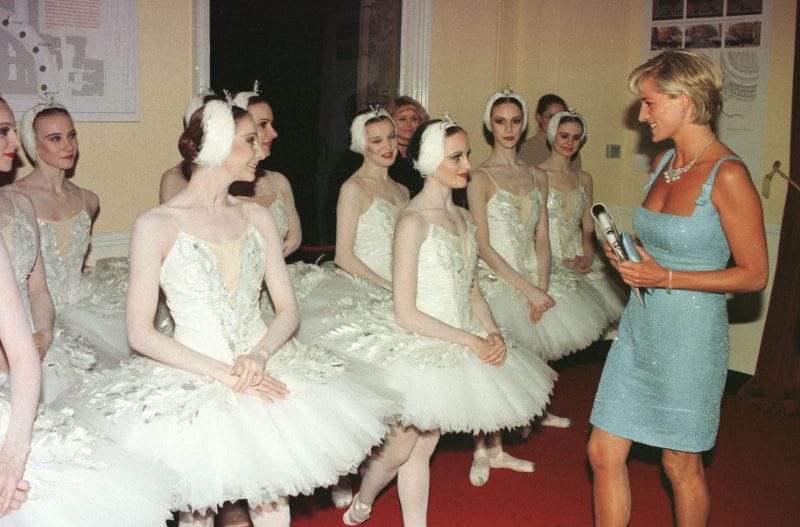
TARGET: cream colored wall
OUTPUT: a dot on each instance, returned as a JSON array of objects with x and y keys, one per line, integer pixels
[
  {"x": 123, "y": 162},
  {"x": 584, "y": 52}
]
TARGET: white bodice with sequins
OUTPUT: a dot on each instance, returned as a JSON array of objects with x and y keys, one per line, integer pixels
[
  {"x": 564, "y": 214},
  {"x": 20, "y": 241},
  {"x": 278, "y": 210},
  {"x": 373, "y": 241},
  {"x": 209, "y": 318},
  {"x": 64, "y": 272},
  {"x": 447, "y": 266},
  {"x": 512, "y": 223}
]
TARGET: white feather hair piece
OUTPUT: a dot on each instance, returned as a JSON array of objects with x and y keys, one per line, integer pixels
[
  {"x": 431, "y": 146},
  {"x": 509, "y": 93},
  {"x": 218, "y": 133},
  {"x": 241, "y": 98},
  {"x": 358, "y": 132},
  {"x": 552, "y": 128},
  {"x": 195, "y": 103},
  {"x": 27, "y": 135}
]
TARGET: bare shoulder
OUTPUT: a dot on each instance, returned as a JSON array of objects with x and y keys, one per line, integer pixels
[
  {"x": 92, "y": 201},
  {"x": 172, "y": 173}
]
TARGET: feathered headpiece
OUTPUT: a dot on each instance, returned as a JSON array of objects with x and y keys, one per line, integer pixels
[
  {"x": 241, "y": 98},
  {"x": 218, "y": 133},
  {"x": 195, "y": 103},
  {"x": 508, "y": 93},
  {"x": 552, "y": 128},
  {"x": 358, "y": 135},
  {"x": 26, "y": 133},
  {"x": 431, "y": 146}
]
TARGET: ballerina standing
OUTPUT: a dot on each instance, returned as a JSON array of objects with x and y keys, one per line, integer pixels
[
  {"x": 569, "y": 202},
  {"x": 447, "y": 356},
  {"x": 209, "y": 403}
]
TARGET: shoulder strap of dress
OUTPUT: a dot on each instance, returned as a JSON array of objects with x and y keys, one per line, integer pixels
[
  {"x": 705, "y": 193},
  {"x": 489, "y": 175},
  {"x": 661, "y": 164},
  {"x": 13, "y": 201}
]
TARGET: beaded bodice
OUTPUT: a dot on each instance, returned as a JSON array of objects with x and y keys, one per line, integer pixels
[
  {"x": 20, "y": 240},
  {"x": 278, "y": 210},
  {"x": 512, "y": 228},
  {"x": 565, "y": 210},
  {"x": 64, "y": 255},
  {"x": 445, "y": 273},
  {"x": 209, "y": 317},
  {"x": 373, "y": 241}
]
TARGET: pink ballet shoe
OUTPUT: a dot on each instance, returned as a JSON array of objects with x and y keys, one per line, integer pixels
[
  {"x": 357, "y": 514},
  {"x": 555, "y": 421},
  {"x": 507, "y": 461},
  {"x": 479, "y": 471},
  {"x": 342, "y": 493}
]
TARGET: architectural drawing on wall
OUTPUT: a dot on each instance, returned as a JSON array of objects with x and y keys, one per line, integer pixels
[
  {"x": 83, "y": 54},
  {"x": 739, "y": 42}
]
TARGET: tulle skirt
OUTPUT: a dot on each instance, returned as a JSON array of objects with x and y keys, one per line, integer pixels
[
  {"x": 578, "y": 318},
  {"x": 80, "y": 479},
  {"x": 445, "y": 386},
  {"x": 227, "y": 446}
]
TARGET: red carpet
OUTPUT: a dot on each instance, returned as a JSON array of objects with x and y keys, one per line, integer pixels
[{"x": 753, "y": 474}]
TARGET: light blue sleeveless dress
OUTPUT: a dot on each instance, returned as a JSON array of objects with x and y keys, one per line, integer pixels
[{"x": 663, "y": 379}]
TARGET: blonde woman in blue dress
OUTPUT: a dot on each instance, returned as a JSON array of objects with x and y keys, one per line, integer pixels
[{"x": 702, "y": 236}]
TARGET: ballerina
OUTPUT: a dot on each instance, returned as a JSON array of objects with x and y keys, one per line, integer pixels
[
  {"x": 506, "y": 198},
  {"x": 271, "y": 189},
  {"x": 447, "y": 356},
  {"x": 570, "y": 222},
  {"x": 88, "y": 307},
  {"x": 204, "y": 403},
  {"x": 64, "y": 465}
]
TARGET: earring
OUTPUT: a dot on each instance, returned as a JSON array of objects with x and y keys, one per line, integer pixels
[{"x": 683, "y": 114}]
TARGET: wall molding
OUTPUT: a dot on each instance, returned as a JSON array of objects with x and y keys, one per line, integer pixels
[{"x": 415, "y": 49}]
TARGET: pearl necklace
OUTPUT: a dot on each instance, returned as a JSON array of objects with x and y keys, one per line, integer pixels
[{"x": 674, "y": 174}]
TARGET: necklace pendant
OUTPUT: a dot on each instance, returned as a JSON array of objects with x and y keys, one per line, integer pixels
[{"x": 671, "y": 175}]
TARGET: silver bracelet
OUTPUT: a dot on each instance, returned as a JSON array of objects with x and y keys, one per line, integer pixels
[{"x": 669, "y": 281}]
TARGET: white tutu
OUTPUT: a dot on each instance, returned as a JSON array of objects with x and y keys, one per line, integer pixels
[
  {"x": 228, "y": 446},
  {"x": 577, "y": 319},
  {"x": 444, "y": 385},
  {"x": 79, "y": 479},
  {"x": 612, "y": 290}
]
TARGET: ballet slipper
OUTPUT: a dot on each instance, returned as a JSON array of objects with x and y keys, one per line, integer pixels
[
  {"x": 507, "y": 461},
  {"x": 555, "y": 421},
  {"x": 342, "y": 493},
  {"x": 479, "y": 471},
  {"x": 235, "y": 515},
  {"x": 357, "y": 513}
]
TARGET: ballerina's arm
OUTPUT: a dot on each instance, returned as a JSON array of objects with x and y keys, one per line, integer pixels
[
  {"x": 409, "y": 233},
  {"x": 583, "y": 261},
  {"x": 42, "y": 310},
  {"x": 25, "y": 380},
  {"x": 353, "y": 202}
]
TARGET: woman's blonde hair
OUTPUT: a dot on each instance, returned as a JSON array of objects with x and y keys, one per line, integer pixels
[
  {"x": 399, "y": 103},
  {"x": 682, "y": 71}
]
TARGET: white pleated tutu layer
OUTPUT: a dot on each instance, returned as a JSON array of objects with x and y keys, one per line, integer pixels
[
  {"x": 227, "y": 446},
  {"x": 578, "y": 318},
  {"x": 79, "y": 479},
  {"x": 445, "y": 385},
  {"x": 612, "y": 290},
  {"x": 322, "y": 290},
  {"x": 99, "y": 314}
]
